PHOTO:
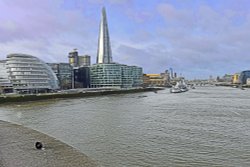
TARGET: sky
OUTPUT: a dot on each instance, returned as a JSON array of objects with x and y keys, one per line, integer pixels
[{"x": 197, "y": 38}]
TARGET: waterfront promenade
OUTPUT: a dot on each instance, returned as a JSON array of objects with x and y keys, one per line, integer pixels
[
  {"x": 72, "y": 93},
  {"x": 17, "y": 149}
]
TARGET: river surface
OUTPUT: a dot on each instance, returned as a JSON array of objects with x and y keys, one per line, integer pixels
[{"x": 207, "y": 126}]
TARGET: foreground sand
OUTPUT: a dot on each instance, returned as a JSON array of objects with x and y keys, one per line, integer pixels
[{"x": 17, "y": 149}]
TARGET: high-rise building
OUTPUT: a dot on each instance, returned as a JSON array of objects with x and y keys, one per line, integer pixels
[
  {"x": 84, "y": 61},
  {"x": 73, "y": 58},
  {"x": 106, "y": 73},
  {"x": 81, "y": 77},
  {"x": 104, "y": 54}
]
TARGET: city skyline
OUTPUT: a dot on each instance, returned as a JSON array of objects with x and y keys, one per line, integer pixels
[{"x": 195, "y": 38}]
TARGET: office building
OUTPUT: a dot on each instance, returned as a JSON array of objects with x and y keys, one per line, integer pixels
[
  {"x": 81, "y": 77},
  {"x": 84, "y": 61},
  {"x": 106, "y": 75},
  {"x": 73, "y": 58},
  {"x": 63, "y": 72}
]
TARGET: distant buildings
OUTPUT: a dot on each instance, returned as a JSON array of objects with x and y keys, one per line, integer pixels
[
  {"x": 162, "y": 79},
  {"x": 236, "y": 77},
  {"x": 78, "y": 61},
  {"x": 28, "y": 74},
  {"x": 73, "y": 58},
  {"x": 84, "y": 61}
]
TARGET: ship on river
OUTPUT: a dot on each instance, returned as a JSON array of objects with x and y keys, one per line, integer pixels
[{"x": 180, "y": 87}]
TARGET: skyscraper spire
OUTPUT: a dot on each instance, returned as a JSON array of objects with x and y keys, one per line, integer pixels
[{"x": 104, "y": 54}]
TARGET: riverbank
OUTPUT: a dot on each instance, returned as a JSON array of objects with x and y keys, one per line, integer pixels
[
  {"x": 35, "y": 97},
  {"x": 17, "y": 149},
  {"x": 232, "y": 85}
]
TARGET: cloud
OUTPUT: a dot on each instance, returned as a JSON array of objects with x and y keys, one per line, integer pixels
[
  {"x": 44, "y": 28},
  {"x": 196, "y": 39}
]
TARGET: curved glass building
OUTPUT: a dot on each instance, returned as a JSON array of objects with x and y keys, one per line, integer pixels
[
  {"x": 30, "y": 74},
  {"x": 244, "y": 75},
  {"x": 5, "y": 84}
]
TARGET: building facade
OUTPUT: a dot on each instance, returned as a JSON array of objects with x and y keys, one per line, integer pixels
[
  {"x": 115, "y": 75},
  {"x": 63, "y": 72},
  {"x": 106, "y": 75},
  {"x": 244, "y": 75},
  {"x": 74, "y": 58},
  {"x": 29, "y": 74},
  {"x": 5, "y": 84},
  {"x": 81, "y": 77},
  {"x": 84, "y": 61},
  {"x": 236, "y": 77},
  {"x": 162, "y": 79}
]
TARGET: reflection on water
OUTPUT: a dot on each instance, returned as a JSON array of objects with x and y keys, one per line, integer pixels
[{"x": 203, "y": 127}]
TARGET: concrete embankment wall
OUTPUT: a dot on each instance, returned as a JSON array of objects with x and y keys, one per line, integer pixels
[
  {"x": 17, "y": 149},
  {"x": 23, "y": 98}
]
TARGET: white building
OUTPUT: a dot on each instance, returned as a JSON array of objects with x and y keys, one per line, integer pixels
[{"x": 29, "y": 74}]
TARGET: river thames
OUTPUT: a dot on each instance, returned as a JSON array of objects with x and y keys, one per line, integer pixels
[{"x": 207, "y": 126}]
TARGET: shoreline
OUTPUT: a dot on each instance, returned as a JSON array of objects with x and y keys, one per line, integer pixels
[
  {"x": 17, "y": 149},
  {"x": 36, "y": 97}
]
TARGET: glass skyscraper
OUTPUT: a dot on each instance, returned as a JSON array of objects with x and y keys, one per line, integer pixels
[
  {"x": 104, "y": 54},
  {"x": 106, "y": 73}
]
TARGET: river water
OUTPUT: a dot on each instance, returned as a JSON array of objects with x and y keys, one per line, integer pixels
[{"x": 207, "y": 126}]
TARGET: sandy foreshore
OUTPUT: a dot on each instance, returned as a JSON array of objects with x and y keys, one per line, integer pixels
[{"x": 17, "y": 149}]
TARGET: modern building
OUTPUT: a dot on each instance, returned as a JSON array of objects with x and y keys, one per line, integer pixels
[
  {"x": 73, "y": 58},
  {"x": 84, "y": 61},
  {"x": 5, "y": 84},
  {"x": 28, "y": 74},
  {"x": 81, "y": 77},
  {"x": 107, "y": 73},
  {"x": 63, "y": 72},
  {"x": 248, "y": 81},
  {"x": 104, "y": 54},
  {"x": 227, "y": 78},
  {"x": 244, "y": 75},
  {"x": 115, "y": 75}
]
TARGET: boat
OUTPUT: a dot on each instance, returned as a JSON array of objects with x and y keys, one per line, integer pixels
[
  {"x": 179, "y": 87},
  {"x": 175, "y": 90}
]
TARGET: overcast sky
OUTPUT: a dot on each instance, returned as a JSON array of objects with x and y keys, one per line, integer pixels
[{"x": 197, "y": 38}]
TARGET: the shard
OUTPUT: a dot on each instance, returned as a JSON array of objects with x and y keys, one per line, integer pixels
[{"x": 104, "y": 54}]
